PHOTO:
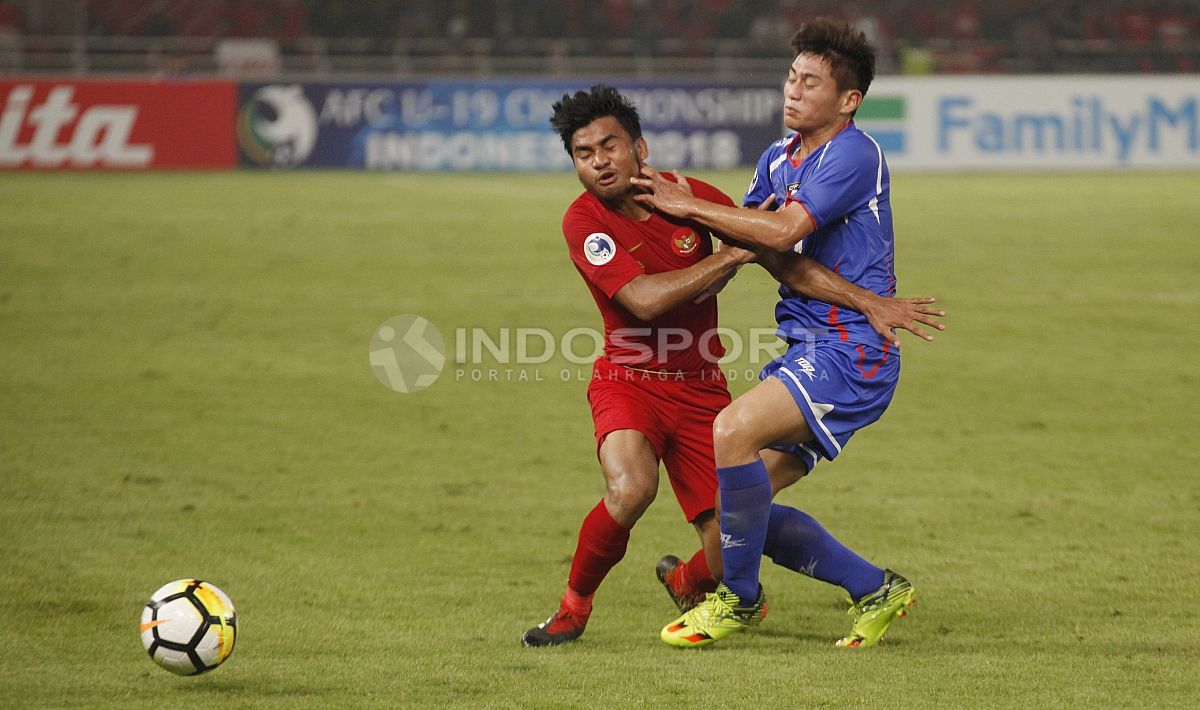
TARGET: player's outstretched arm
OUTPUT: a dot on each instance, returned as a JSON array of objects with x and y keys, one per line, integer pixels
[
  {"x": 811, "y": 278},
  {"x": 779, "y": 230}
]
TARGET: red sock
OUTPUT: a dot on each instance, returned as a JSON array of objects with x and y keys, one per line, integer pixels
[
  {"x": 602, "y": 543},
  {"x": 579, "y": 605},
  {"x": 695, "y": 576}
]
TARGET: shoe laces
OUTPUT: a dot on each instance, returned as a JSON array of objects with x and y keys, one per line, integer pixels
[
  {"x": 714, "y": 606},
  {"x": 879, "y": 597},
  {"x": 724, "y": 603}
]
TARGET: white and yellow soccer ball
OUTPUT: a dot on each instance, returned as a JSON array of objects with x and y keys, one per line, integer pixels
[{"x": 189, "y": 626}]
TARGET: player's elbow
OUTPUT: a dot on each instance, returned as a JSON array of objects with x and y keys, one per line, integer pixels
[
  {"x": 641, "y": 302},
  {"x": 645, "y": 310},
  {"x": 788, "y": 236},
  {"x": 792, "y": 226},
  {"x": 782, "y": 241}
]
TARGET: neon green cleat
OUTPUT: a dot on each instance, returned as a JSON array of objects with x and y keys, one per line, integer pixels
[
  {"x": 718, "y": 616},
  {"x": 873, "y": 614}
]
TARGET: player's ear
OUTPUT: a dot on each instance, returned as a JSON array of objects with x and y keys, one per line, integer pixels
[
  {"x": 851, "y": 100},
  {"x": 643, "y": 150}
]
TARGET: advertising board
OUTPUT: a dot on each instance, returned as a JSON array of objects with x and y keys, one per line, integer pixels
[
  {"x": 490, "y": 125},
  {"x": 1035, "y": 122},
  {"x": 82, "y": 124}
]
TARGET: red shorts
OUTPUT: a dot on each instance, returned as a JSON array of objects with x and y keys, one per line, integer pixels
[{"x": 675, "y": 414}]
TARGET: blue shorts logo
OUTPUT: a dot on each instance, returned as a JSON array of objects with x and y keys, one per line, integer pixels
[
  {"x": 599, "y": 248},
  {"x": 806, "y": 367}
]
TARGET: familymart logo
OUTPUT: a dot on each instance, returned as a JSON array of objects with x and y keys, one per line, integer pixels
[{"x": 884, "y": 118}]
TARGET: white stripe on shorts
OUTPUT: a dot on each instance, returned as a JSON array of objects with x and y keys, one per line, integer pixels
[{"x": 811, "y": 408}]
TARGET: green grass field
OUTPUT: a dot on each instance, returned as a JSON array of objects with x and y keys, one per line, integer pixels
[{"x": 185, "y": 391}]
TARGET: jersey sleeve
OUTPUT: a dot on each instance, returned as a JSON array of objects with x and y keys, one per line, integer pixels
[
  {"x": 849, "y": 176},
  {"x": 707, "y": 192},
  {"x": 760, "y": 184},
  {"x": 601, "y": 261}
]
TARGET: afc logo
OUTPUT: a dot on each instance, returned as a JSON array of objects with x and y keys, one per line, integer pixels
[{"x": 599, "y": 248}]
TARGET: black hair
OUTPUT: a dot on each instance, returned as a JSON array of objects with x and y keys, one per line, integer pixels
[
  {"x": 851, "y": 58},
  {"x": 574, "y": 112}
]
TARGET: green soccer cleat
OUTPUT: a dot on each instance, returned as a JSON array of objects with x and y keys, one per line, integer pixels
[
  {"x": 873, "y": 614},
  {"x": 718, "y": 616}
]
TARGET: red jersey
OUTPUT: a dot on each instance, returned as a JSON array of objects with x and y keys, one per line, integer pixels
[{"x": 610, "y": 250}]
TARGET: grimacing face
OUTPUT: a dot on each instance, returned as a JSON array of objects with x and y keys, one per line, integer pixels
[
  {"x": 811, "y": 98},
  {"x": 606, "y": 157}
]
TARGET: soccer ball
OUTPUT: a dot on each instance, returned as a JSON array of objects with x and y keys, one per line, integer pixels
[{"x": 189, "y": 626}]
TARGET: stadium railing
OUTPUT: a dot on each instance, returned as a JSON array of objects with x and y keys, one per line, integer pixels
[{"x": 724, "y": 60}]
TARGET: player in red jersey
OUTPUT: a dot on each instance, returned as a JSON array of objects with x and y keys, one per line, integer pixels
[{"x": 657, "y": 388}]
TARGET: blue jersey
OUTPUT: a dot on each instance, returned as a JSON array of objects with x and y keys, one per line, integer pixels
[{"x": 845, "y": 188}]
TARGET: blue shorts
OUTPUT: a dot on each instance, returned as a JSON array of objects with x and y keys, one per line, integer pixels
[{"x": 840, "y": 388}]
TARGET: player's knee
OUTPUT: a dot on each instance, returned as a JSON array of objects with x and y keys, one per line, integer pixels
[
  {"x": 731, "y": 435},
  {"x": 629, "y": 498}
]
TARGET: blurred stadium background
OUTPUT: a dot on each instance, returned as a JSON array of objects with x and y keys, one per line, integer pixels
[
  {"x": 466, "y": 85},
  {"x": 722, "y": 38},
  {"x": 186, "y": 387}
]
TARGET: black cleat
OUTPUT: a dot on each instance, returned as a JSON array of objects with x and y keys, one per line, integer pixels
[
  {"x": 667, "y": 570},
  {"x": 562, "y": 627}
]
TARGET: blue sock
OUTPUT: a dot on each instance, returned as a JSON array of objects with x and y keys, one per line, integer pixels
[
  {"x": 745, "y": 511},
  {"x": 797, "y": 541}
]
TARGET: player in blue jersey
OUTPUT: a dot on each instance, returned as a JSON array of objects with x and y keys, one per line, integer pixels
[{"x": 838, "y": 374}]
